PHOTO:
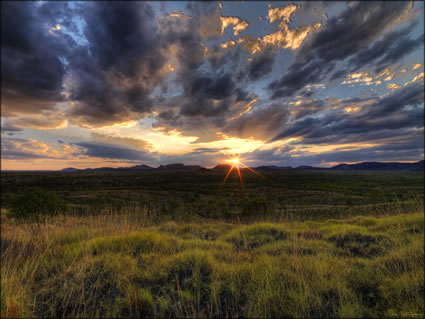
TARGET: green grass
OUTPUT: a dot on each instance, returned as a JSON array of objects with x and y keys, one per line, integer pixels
[{"x": 116, "y": 266}]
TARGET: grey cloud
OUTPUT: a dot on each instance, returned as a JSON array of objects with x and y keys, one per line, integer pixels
[
  {"x": 387, "y": 50},
  {"x": 106, "y": 150},
  {"x": 298, "y": 76},
  {"x": 341, "y": 37},
  {"x": 20, "y": 149},
  {"x": 387, "y": 113},
  {"x": 411, "y": 95},
  {"x": 284, "y": 158},
  {"x": 7, "y": 126},
  {"x": 262, "y": 64},
  {"x": 309, "y": 107},
  {"x": 260, "y": 122},
  {"x": 31, "y": 70},
  {"x": 113, "y": 78}
]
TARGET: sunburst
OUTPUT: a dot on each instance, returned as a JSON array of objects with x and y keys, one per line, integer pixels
[{"x": 236, "y": 163}]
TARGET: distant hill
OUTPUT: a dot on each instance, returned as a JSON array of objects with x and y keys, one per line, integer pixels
[
  {"x": 69, "y": 169},
  {"x": 364, "y": 166},
  {"x": 308, "y": 167},
  {"x": 180, "y": 167},
  {"x": 377, "y": 166},
  {"x": 272, "y": 167},
  {"x": 108, "y": 169},
  {"x": 222, "y": 167},
  {"x": 136, "y": 168}
]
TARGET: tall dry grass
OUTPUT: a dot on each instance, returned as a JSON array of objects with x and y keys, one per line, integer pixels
[{"x": 121, "y": 264}]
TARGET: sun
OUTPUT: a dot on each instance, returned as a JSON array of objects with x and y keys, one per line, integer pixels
[{"x": 235, "y": 161}]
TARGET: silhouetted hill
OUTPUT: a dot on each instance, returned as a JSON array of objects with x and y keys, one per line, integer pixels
[
  {"x": 135, "y": 168},
  {"x": 308, "y": 167},
  {"x": 180, "y": 167},
  {"x": 69, "y": 169},
  {"x": 364, "y": 166},
  {"x": 377, "y": 166},
  {"x": 272, "y": 167},
  {"x": 222, "y": 167},
  {"x": 108, "y": 169}
]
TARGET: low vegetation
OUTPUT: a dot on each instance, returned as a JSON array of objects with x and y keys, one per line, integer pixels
[
  {"x": 116, "y": 265},
  {"x": 296, "y": 243},
  {"x": 275, "y": 196},
  {"x": 34, "y": 205}
]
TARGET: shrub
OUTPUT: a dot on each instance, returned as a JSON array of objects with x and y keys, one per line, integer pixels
[
  {"x": 34, "y": 203},
  {"x": 254, "y": 206}
]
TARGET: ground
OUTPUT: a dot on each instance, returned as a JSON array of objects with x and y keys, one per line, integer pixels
[{"x": 154, "y": 244}]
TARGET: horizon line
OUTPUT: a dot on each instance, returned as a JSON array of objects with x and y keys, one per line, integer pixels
[{"x": 207, "y": 167}]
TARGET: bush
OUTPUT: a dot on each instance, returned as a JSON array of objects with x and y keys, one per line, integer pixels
[
  {"x": 34, "y": 203},
  {"x": 254, "y": 206}
]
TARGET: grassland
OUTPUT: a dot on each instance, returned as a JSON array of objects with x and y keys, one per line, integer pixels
[
  {"x": 277, "y": 196},
  {"x": 112, "y": 266},
  {"x": 297, "y": 244}
]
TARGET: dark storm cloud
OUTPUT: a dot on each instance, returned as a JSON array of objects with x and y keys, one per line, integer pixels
[
  {"x": 106, "y": 150},
  {"x": 387, "y": 113},
  {"x": 262, "y": 64},
  {"x": 410, "y": 95},
  {"x": 298, "y": 76},
  {"x": 261, "y": 122},
  {"x": 307, "y": 126},
  {"x": 340, "y": 38},
  {"x": 309, "y": 107},
  {"x": 352, "y": 30},
  {"x": 282, "y": 157},
  {"x": 31, "y": 68},
  {"x": 113, "y": 78},
  {"x": 386, "y": 51},
  {"x": 219, "y": 57},
  {"x": 212, "y": 88},
  {"x": 207, "y": 76},
  {"x": 201, "y": 93},
  {"x": 205, "y": 94},
  {"x": 342, "y": 127}
]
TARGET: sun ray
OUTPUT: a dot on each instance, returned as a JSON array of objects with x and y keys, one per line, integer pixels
[
  {"x": 240, "y": 176},
  {"x": 254, "y": 171},
  {"x": 236, "y": 164},
  {"x": 227, "y": 175}
]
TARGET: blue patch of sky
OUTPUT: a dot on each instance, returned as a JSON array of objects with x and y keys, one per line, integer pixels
[
  {"x": 71, "y": 133},
  {"x": 147, "y": 121},
  {"x": 162, "y": 7},
  {"x": 248, "y": 11}
]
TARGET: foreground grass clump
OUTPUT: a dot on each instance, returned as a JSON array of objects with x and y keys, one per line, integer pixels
[{"x": 100, "y": 267}]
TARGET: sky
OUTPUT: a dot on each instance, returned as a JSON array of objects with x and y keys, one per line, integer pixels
[{"x": 94, "y": 84}]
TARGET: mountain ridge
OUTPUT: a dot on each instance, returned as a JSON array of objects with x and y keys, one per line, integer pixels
[{"x": 363, "y": 166}]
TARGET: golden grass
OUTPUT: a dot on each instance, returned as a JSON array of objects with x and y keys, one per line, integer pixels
[{"x": 122, "y": 265}]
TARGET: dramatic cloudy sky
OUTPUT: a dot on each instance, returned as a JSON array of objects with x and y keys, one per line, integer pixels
[{"x": 92, "y": 84}]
